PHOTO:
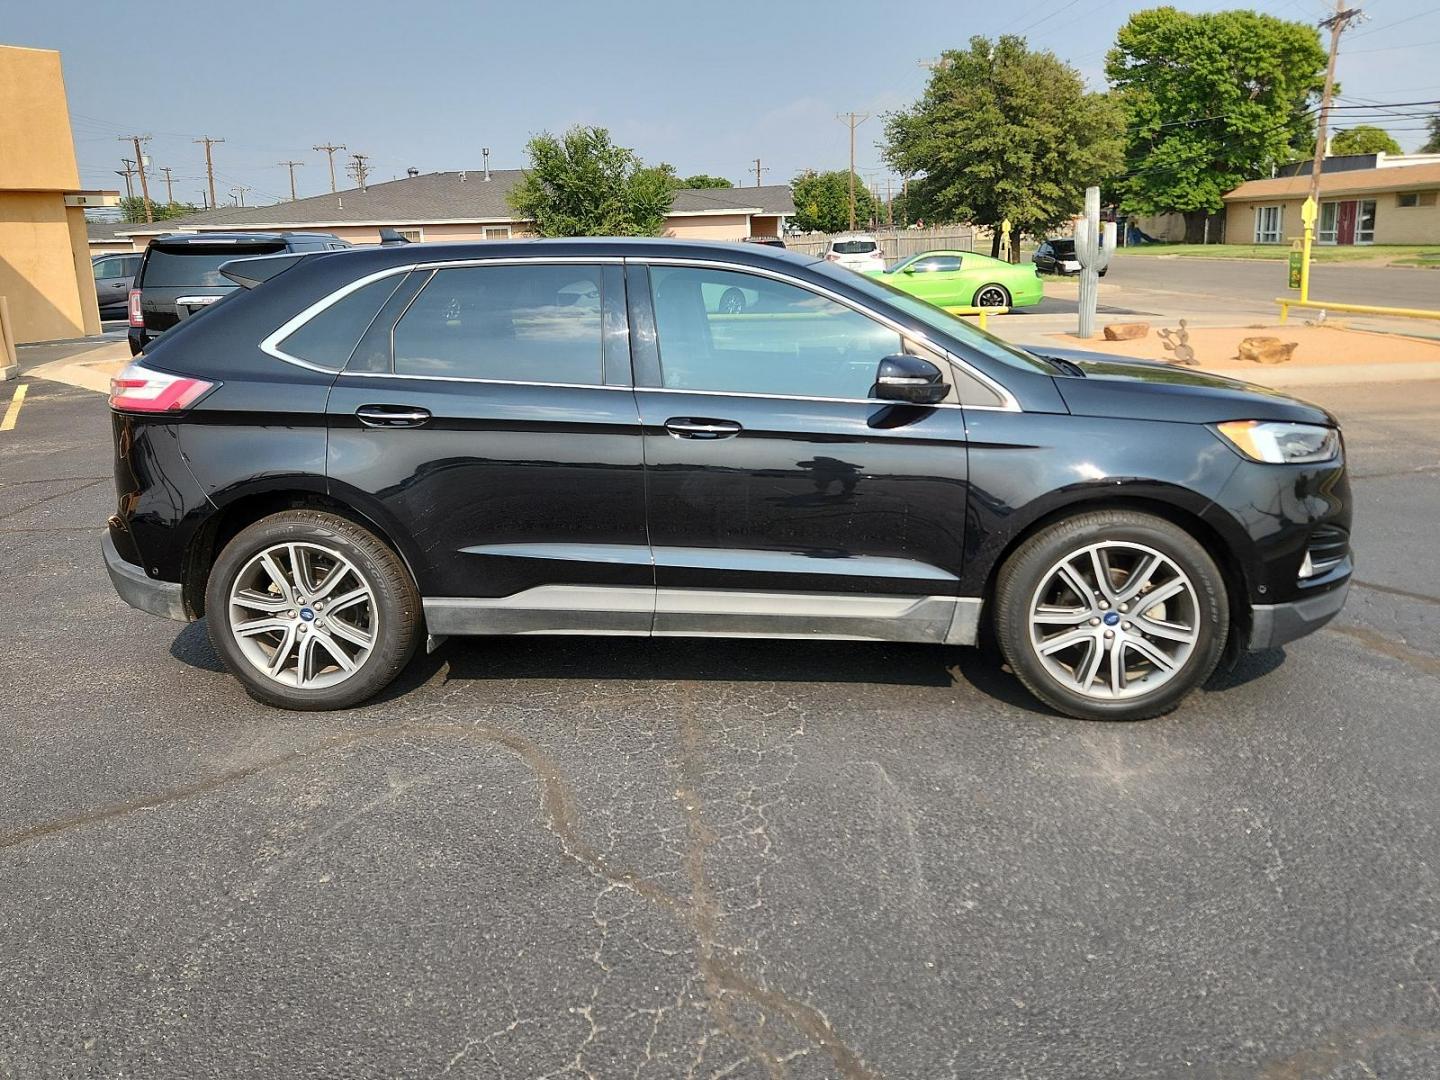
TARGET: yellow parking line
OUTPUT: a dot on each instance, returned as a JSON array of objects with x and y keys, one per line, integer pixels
[{"x": 13, "y": 412}]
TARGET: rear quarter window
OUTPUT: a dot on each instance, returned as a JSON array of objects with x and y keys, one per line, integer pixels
[
  {"x": 329, "y": 338},
  {"x": 197, "y": 266}
]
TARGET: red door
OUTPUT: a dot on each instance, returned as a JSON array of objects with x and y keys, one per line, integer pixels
[{"x": 1345, "y": 222}]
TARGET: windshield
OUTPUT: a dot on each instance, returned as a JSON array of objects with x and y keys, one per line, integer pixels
[
  {"x": 943, "y": 322},
  {"x": 195, "y": 266}
]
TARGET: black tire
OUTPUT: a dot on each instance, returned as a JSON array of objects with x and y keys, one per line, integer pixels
[
  {"x": 391, "y": 613},
  {"x": 1031, "y": 567},
  {"x": 732, "y": 301},
  {"x": 989, "y": 292}
]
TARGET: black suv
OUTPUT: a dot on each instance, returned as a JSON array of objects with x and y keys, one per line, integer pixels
[
  {"x": 180, "y": 274},
  {"x": 373, "y": 448}
]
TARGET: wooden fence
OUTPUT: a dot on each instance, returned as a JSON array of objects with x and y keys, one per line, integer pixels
[{"x": 894, "y": 243}]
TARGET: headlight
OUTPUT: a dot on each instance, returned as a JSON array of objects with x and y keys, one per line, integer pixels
[{"x": 1279, "y": 443}]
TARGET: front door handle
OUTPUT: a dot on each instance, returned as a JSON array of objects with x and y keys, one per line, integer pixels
[
  {"x": 389, "y": 416},
  {"x": 701, "y": 427}
]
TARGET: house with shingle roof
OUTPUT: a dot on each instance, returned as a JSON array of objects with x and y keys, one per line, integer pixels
[
  {"x": 1392, "y": 201},
  {"x": 469, "y": 205}
]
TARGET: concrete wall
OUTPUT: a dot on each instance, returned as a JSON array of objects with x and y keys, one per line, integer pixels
[
  {"x": 45, "y": 267},
  {"x": 44, "y": 255},
  {"x": 1394, "y": 224}
]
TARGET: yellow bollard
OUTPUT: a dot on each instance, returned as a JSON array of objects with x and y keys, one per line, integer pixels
[{"x": 1308, "y": 213}]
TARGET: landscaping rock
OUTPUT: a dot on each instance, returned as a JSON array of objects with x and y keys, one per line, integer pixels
[
  {"x": 1126, "y": 331},
  {"x": 1265, "y": 350}
]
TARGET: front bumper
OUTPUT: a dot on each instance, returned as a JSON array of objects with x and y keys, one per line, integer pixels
[
  {"x": 1273, "y": 625},
  {"x": 139, "y": 591}
]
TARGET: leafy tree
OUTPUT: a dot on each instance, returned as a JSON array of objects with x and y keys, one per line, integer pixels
[
  {"x": 822, "y": 201},
  {"x": 1432, "y": 144},
  {"x": 704, "y": 180},
  {"x": 132, "y": 209},
  {"x": 582, "y": 184},
  {"x": 1003, "y": 132},
  {"x": 1212, "y": 99},
  {"x": 1364, "y": 139}
]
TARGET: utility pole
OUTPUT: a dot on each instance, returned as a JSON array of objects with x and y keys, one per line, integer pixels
[
  {"x": 203, "y": 204},
  {"x": 292, "y": 165},
  {"x": 854, "y": 119},
  {"x": 1336, "y": 24},
  {"x": 889, "y": 205},
  {"x": 127, "y": 172},
  {"x": 209, "y": 165},
  {"x": 136, "y": 140},
  {"x": 238, "y": 193},
  {"x": 758, "y": 171},
  {"x": 359, "y": 169},
  {"x": 329, "y": 150},
  {"x": 169, "y": 185}
]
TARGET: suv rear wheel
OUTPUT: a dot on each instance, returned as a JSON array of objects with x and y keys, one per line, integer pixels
[
  {"x": 1111, "y": 615},
  {"x": 310, "y": 611}
]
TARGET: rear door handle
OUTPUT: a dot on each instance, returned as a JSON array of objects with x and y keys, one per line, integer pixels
[
  {"x": 701, "y": 427},
  {"x": 388, "y": 416}
]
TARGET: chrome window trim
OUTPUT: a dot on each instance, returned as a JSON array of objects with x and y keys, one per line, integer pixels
[
  {"x": 271, "y": 344},
  {"x": 1007, "y": 399}
]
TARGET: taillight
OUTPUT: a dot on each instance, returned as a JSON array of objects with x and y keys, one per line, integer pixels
[
  {"x": 833, "y": 256},
  {"x": 137, "y": 317},
  {"x": 139, "y": 389}
]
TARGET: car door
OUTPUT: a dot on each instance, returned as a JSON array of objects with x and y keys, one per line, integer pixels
[
  {"x": 113, "y": 275},
  {"x": 937, "y": 279},
  {"x": 488, "y": 414},
  {"x": 782, "y": 499}
]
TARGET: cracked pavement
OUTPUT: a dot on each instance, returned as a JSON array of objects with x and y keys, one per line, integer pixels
[{"x": 605, "y": 857}]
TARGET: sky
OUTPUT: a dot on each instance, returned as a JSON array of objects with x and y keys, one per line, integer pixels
[{"x": 706, "y": 87}]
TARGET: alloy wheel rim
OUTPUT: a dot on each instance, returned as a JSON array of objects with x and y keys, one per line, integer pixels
[
  {"x": 1114, "y": 620},
  {"x": 303, "y": 615},
  {"x": 991, "y": 297}
]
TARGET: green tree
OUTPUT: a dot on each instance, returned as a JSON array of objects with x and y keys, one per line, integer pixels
[
  {"x": 132, "y": 209},
  {"x": 1364, "y": 139},
  {"x": 582, "y": 184},
  {"x": 1003, "y": 132},
  {"x": 1212, "y": 99},
  {"x": 704, "y": 180},
  {"x": 822, "y": 201}
]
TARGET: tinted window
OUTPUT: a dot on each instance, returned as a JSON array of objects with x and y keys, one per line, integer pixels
[
  {"x": 853, "y": 247},
  {"x": 1062, "y": 247},
  {"x": 728, "y": 331},
  {"x": 517, "y": 323},
  {"x": 197, "y": 266},
  {"x": 330, "y": 337},
  {"x": 936, "y": 264}
]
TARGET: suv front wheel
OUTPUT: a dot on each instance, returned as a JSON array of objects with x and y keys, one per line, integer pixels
[
  {"x": 1111, "y": 615},
  {"x": 310, "y": 611}
]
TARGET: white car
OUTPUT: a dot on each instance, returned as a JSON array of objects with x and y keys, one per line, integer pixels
[{"x": 855, "y": 251}]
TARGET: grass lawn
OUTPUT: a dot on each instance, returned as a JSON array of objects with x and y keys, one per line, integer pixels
[{"x": 1395, "y": 254}]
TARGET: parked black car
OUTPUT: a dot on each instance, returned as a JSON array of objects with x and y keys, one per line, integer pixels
[
  {"x": 1057, "y": 257},
  {"x": 371, "y": 446},
  {"x": 114, "y": 277},
  {"x": 180, "y": 274}
]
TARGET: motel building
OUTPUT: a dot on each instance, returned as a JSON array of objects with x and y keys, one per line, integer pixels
[{"x": 1364, "y": 199}]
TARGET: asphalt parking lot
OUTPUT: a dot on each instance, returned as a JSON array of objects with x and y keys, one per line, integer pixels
[{"x": 610, "y": 857}]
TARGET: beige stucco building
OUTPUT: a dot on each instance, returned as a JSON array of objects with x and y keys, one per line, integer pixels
[
  {"x": 44, "y": 253},
  {"x": 1392, "y": 204},
  {"x": 463, "y": 206}
]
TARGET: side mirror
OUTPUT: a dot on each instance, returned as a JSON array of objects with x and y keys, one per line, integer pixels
[
  {"x": 909, "y": 269},
  {"x": 910, "y": 379}
]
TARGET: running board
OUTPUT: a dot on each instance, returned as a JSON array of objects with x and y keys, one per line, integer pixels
[{"x": 641, "y": 611}]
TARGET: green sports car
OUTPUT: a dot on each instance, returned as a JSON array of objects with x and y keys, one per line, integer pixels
[{"x": 963, "y": 279}]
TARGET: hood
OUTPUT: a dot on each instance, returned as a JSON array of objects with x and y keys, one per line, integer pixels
[{"x": 1151, "y": 390}]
